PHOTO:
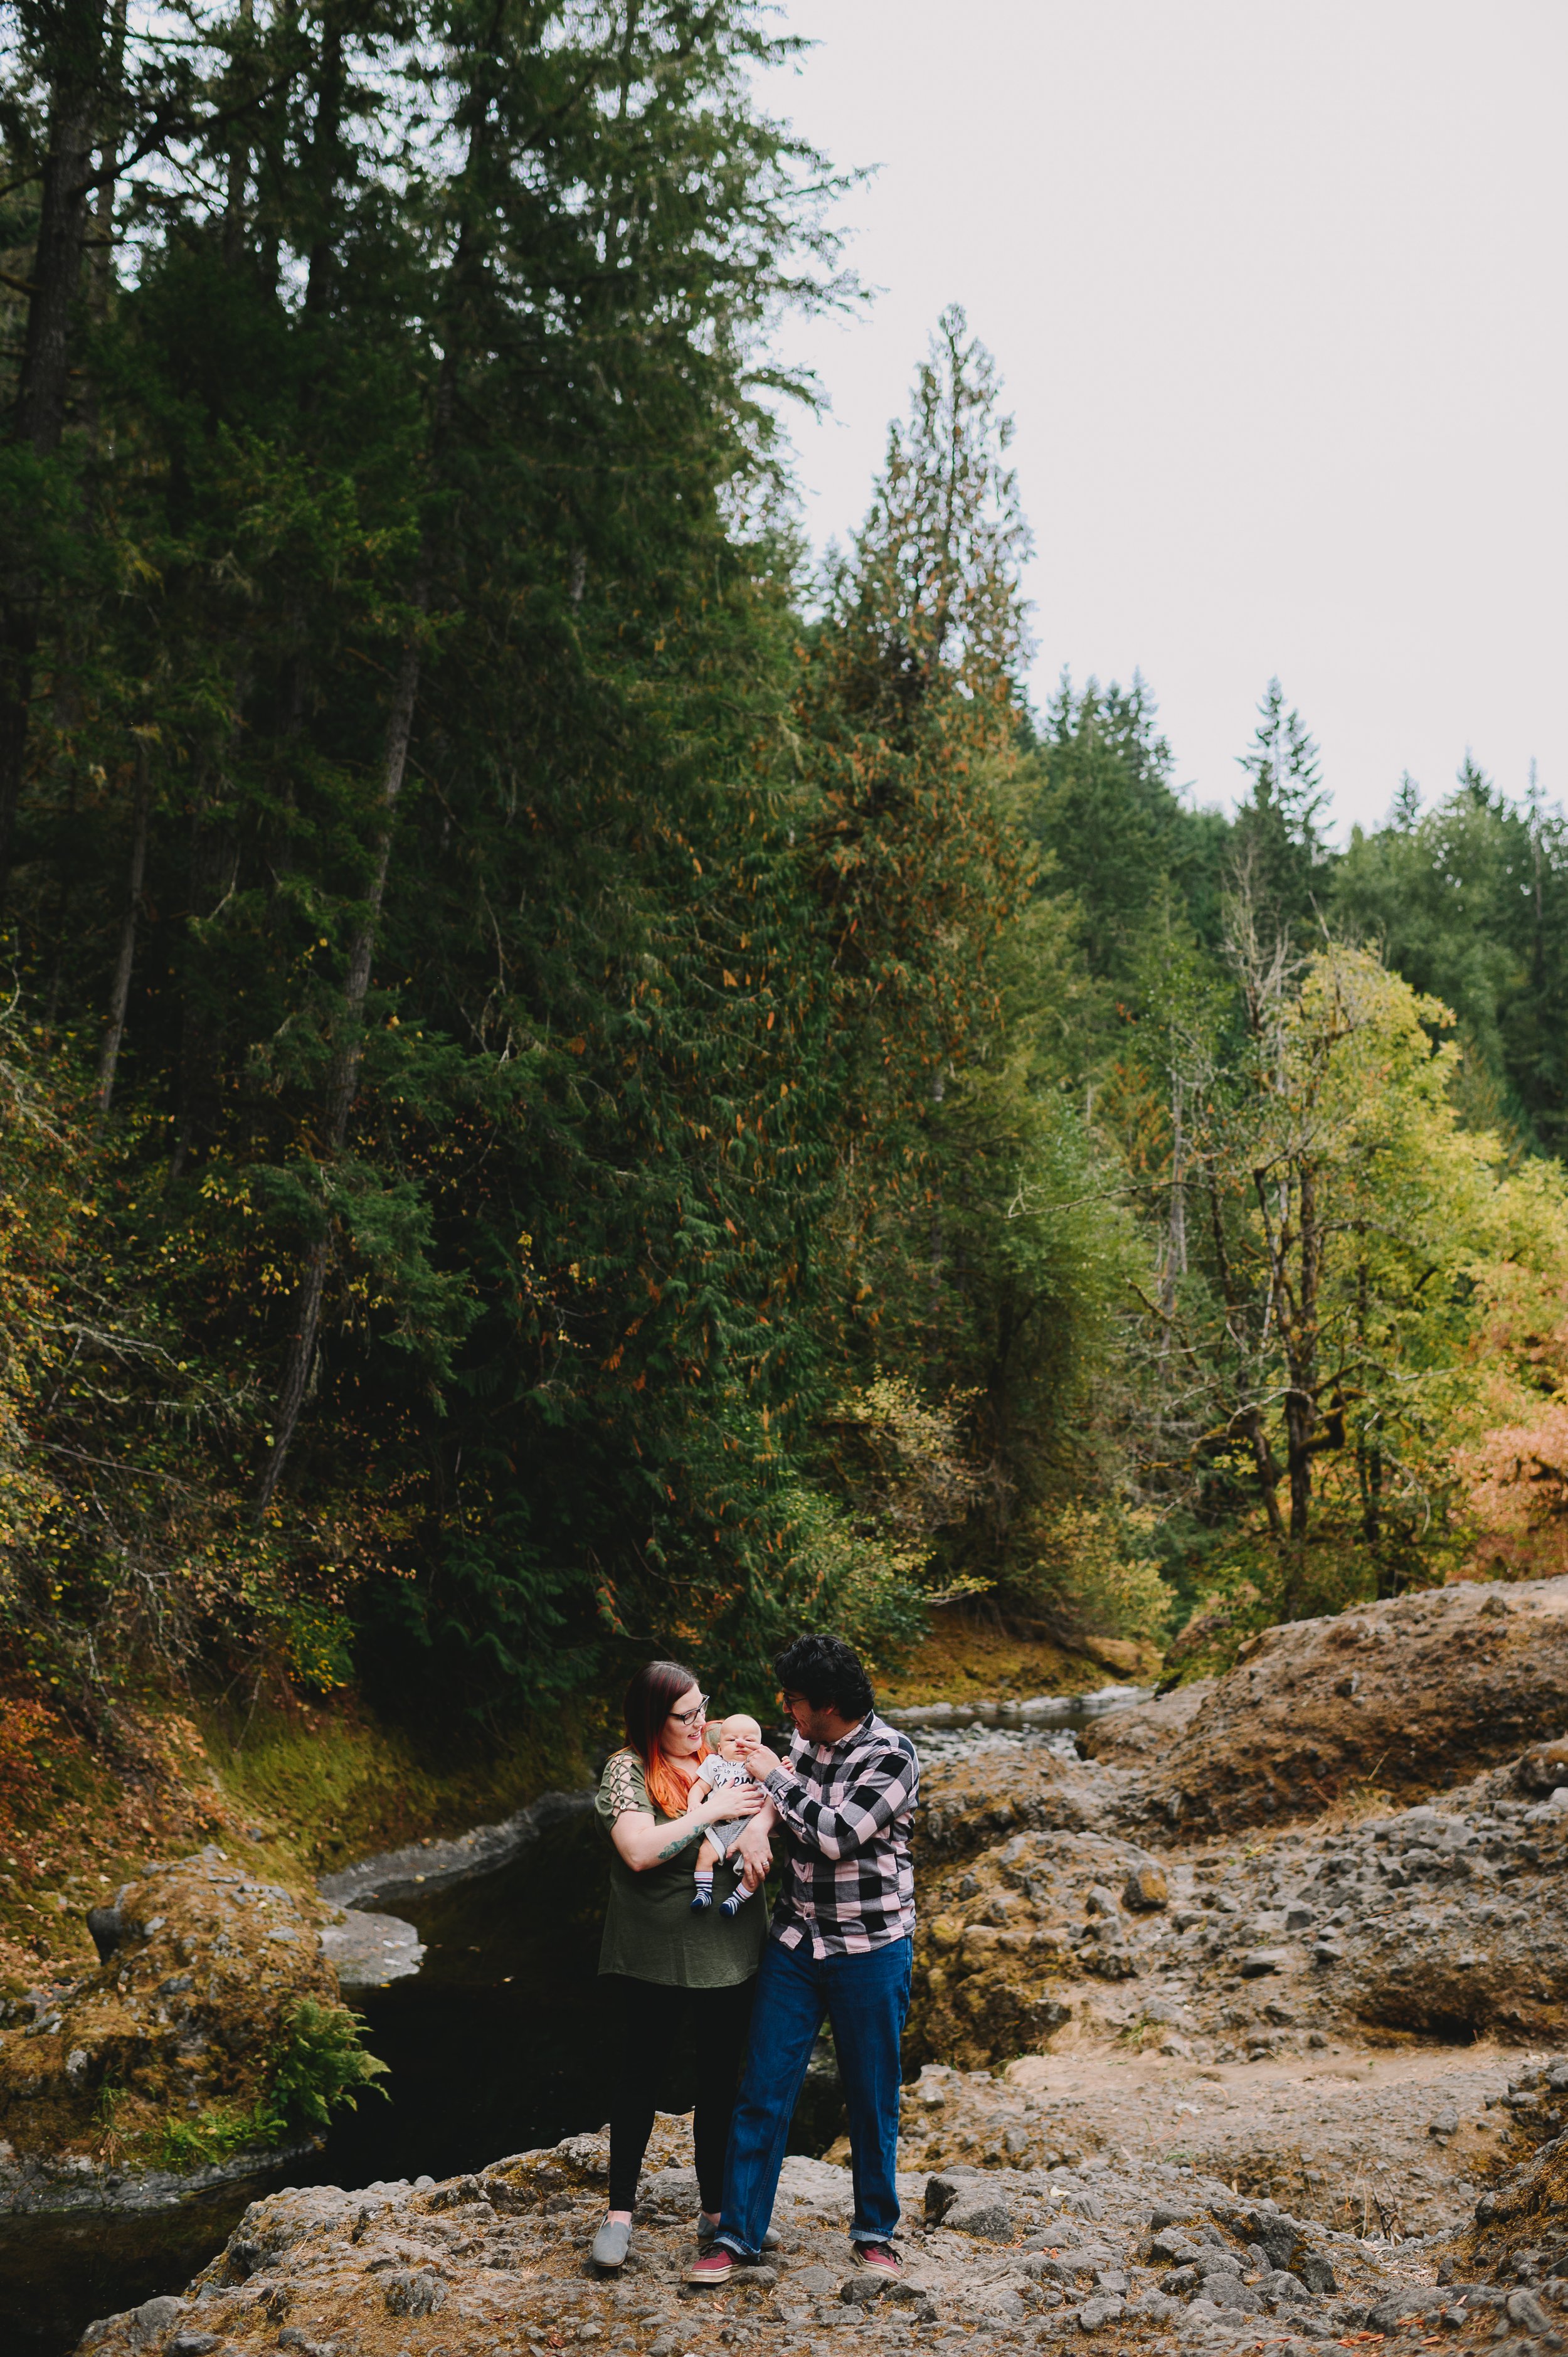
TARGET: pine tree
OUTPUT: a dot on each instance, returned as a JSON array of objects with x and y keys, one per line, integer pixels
[{"x": 1279, "y": 847}]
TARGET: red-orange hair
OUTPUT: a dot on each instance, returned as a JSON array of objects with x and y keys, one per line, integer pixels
[{"x": 649, "y": 1699}]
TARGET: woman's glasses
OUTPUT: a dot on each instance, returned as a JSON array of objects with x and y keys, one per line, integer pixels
[{"x": 690, "y": 1718}]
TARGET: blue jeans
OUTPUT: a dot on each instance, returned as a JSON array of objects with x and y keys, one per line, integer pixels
[{"x": 866, "y": 1998}]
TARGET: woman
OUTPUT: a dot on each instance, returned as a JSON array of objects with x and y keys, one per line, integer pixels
[{"x": 664, "y": 1962}]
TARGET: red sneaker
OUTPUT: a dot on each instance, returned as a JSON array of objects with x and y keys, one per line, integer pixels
[
  {"x": 713, "y": 2268},
  {"x": 880, "y": 2257}
]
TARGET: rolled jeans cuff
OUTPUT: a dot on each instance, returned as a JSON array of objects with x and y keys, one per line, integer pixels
[{"x": 735, "y": 2247}]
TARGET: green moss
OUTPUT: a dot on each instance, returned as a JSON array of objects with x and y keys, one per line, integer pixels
[{"x": 326, "y": 1785}]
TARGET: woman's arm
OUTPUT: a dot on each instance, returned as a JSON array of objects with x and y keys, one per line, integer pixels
[{"x": 642, "y": 1841}]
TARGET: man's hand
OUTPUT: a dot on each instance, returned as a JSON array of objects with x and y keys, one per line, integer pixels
[{"x": 758, "y": 1761}]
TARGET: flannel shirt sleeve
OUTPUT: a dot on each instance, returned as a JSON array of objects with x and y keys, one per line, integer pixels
[{"x": 883, "y": 1789}]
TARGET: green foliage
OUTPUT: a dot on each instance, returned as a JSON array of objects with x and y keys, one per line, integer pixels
[
  {"x": 1121, "y": 842},
  {"x": 555, "y": 1108},
  {"x": 1278, "y": 845},
  {"x": 213, "y": 2135},
  {"x": 1090, "y": 1568},
  {"x": 318, "y": 2067},
  {"x": 1470, "y": 902}
]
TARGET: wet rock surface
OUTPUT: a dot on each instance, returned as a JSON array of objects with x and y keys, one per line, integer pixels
[
  {"x": 367, "y": 1950},
  {"x": 1140, "y": 2253},
  {"x": 436, "y": 1864}
]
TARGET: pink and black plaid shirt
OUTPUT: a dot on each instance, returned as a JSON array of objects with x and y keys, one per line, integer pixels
[{"x": 848, "y": 1807}]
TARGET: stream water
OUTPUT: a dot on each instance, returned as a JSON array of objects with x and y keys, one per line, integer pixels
[{"x": 497, "y": 2044}]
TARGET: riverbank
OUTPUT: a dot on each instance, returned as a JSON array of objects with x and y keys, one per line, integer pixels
[
  {"x": 292, "y": 1789},
  {"x": 967, "y": 1657}
]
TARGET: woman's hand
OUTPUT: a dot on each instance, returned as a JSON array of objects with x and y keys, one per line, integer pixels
[
  {"x": 727, "y": 1802},
  {"x": 644, "y": 1842}
]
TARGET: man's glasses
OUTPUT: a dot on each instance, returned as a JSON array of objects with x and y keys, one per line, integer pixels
[{"x": 690, "y": 1718}]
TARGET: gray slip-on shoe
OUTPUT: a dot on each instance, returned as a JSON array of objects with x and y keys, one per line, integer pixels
[{"x": 612, "y": 2242}]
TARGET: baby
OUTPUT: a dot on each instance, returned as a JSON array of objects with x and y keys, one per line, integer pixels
[{"x": 721, "y": 1766}]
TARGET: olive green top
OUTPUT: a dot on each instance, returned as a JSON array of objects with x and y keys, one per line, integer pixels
[{"x": 651, "y": 1933}]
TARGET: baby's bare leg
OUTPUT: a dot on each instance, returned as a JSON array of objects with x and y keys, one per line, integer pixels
[{"x": 707, "y": 1856}]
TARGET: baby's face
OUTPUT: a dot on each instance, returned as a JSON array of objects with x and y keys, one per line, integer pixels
[{"x": 732, "y": 1733}]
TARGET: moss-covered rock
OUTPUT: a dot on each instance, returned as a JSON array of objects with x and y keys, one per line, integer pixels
[{"x": 210, "y": 2025}]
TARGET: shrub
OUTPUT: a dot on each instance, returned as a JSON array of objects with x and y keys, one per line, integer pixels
[{"x": 320, "y": 2066}]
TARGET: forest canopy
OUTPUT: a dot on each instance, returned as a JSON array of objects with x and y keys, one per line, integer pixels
[{"x": 569, "y": 1083}]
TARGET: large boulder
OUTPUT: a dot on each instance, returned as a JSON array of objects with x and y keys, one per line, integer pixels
[
  {"x": 1140, "y": 1736},
  {"x": 967, "y": 1802},
  {"x": 1406, "y": 1698},
  {"x": 160, "y": 2057},
  {"x": 1001, "y": 1949}
]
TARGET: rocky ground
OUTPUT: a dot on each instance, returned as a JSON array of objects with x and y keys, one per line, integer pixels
[
  {"x": 1140, "y": 2253},
  {"x": 1445, "y": 1920},
  {"x": 1402, "y": 1697}
]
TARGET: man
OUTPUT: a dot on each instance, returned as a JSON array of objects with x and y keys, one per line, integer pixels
[{"x": 840, "y": 1944}]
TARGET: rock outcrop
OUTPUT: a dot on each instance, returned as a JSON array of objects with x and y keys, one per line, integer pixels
[
  {"x": 1142, "y": 1735},
  {"x": 1520, "y": 2234},
  {"x": 157, "y": 2059},
  {"x": 996, "y": 1789},
  {"x": 1402, "y": 1697},
  {"x": 1129, "y": 2251},
  {"x": 1447, "y": 1920}
]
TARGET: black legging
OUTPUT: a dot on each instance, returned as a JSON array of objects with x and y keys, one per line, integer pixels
[{"x": 653, "y": 2015}]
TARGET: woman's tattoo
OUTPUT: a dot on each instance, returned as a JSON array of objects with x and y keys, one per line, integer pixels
[{"x": 673, "y": 1849}]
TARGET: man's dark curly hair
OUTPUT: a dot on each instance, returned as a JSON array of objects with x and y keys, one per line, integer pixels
[{"x": 827, "y": 1671}]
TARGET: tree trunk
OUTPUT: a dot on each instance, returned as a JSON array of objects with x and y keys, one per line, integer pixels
[
  {"x": 344, "y": 1072},
  {"x": 1176, "y": 1239},
  {"x": 1251, "y": 1422},
  {"x": 236, "y": 175},
  {"x": 214, "y": 866},
  {"x": 325, "y": 168},
  {"x": 120, "y": 995},
  {"x": 62, "y": 226},
  {"x": 40, "y": 416},
  {"x": 1298, "y": 1329},
  {"x": 214, "y": 855}
]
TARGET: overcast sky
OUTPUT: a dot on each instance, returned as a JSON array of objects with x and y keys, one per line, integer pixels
[{"x": 1277, "y": 289}]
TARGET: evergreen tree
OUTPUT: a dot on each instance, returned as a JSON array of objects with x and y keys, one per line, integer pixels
[
  {"x": 1278, "y": 843},
  {"x": 1120, "y": 838}
]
